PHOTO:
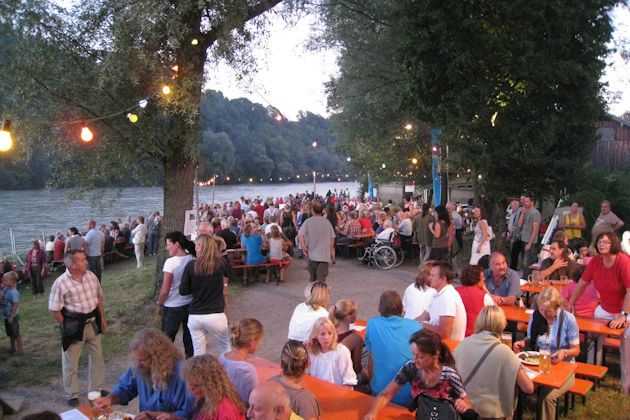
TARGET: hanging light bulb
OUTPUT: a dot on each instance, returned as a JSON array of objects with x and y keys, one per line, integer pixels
[
  {"x": 132, "y": 117},
  {"x": 194, "y": 41},
  {"x": 414, "y": 161},
  {"x": 86, "y": 134},
  {"x": 6, "y": 142},
  {"x": 175, "y": 68},
  {"x": 279, "y": 117},
  {"x": 143, "y": 103},
  {"x": 166, "y": 89}
]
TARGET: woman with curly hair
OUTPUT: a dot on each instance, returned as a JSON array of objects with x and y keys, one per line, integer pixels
[
  {"x": 206, "y": 278},
  {"x": 155, "y": 379},
  {"x": 217, "y": 397}
]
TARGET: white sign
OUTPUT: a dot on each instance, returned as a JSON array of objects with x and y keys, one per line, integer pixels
[
  {"x": 190, "y": 223},
  {"x": 410, "y": 188}
]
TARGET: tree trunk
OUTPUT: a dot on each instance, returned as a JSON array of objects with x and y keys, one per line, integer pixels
[{"x": 178, "y": 197}]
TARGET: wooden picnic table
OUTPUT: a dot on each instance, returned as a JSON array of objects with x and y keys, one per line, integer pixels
[{"x": 335, "y": 401}]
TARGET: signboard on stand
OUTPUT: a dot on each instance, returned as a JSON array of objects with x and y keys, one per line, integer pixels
[{"x": 190, "y": 222}]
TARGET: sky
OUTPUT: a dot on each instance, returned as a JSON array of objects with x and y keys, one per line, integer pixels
[{"x": 292, "y": 79}]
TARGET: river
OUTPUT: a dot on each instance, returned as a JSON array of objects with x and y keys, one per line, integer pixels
[{"x": 31, "y": 212}]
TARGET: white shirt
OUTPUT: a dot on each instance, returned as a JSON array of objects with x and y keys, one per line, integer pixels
[
  {"x": 333, "y": 366},
  {"x": 175, "y": 266},
  {"x": 268, "y": 228},
  {"x": 139, "y": 234},
  {"x": 447, "y": 302},
  {"x": 302, "y": 321},
  {"x": 416, "y": 301},
  {"x": 385, "y": 235}
]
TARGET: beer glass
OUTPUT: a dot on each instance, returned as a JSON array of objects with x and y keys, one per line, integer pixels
[
  {"x": 506, "y": 338},
  {"x": 92, "y": 397},
  {"x": 544, "y": 365}
]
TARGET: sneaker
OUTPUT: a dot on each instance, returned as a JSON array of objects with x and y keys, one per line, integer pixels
[{"x": 73, "y": 402}]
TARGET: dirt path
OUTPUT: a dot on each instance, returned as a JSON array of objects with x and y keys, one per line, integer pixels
[{"x": 272, "y": 305}]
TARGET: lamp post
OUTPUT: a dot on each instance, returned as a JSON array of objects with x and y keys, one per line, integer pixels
[{"x": 314, "y": 144}]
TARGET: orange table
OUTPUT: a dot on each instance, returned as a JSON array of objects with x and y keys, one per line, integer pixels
[
  {"x": 336, "y": 402},
  {"x": 531, "y": 288},
  {"x": 361, "y": 323},
  {"x": 365, "y": 235}
]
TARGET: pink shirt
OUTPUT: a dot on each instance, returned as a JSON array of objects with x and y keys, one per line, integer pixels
[
  {"x": 225, "y": 411},
  {"x": 586, "y": 304}
]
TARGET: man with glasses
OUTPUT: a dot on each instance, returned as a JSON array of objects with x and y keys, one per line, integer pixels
[{"x": 607, "y": 221}]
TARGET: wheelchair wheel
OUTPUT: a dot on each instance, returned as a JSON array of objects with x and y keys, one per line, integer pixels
[
  {"x": 384, "y": 257},
  {"x": 400, "y": 256}
]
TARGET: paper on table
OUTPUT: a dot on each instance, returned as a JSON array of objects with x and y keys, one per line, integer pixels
[
  {"x": 531, "y": 373},
  {"x": 73, "y": 415},
  {"x": 529, "y": 311}
]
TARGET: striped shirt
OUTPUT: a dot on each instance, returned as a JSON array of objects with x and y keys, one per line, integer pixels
[
  {"x": 75, "y": 295},
  {"x": 449, "y": 387}
]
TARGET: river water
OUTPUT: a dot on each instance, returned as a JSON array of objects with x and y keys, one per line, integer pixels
[{"x": 31, "y": 212}]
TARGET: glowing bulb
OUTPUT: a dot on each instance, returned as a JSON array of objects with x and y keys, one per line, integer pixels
[
  {"x": 143, "y": 103},
  {"x": 175, "y": 68},
  {"x": 408, "y": 127},
  {"x": 349, "y": 158},
  {"x": 383, "y": 166},
  {"x": 251, "y": 179},
  {"x": 194, "y": 41},
  {"x": 6, "y": 142},
  {"x": 166, "y": 90},
  {"x": 414, "y": 161},
  {"x": 86, "y": 134},
  {"x": 132, "y": 117},
  {"x": 297, "y": 176},
  {"x": 494, "y": 118},
  {"x": 279, "y": 117},
  {"x": 227, "y": 178},
  {"x": 315, "y": 143}
]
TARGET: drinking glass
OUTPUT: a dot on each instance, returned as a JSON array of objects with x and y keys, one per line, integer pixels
[
  {"x": 506, "y": 338},
  {"x": 92, "y": 397},
  {"x": 544, "y": 365}
]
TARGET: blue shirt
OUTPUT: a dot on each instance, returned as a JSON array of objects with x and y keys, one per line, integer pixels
[
  {"x": 176, "y": 398},
  {"x": 510, "y": 284},
  {"x": 253, "y": 243},
  {"x": 9, "y": 297},
  {"x": 569, "y": 335},
  {"x": 388, "y": 340},
  {"x": 94, "y": 239}
]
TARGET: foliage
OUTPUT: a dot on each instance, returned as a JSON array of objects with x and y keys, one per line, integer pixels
[
  {"x": 365, "y": 95},
  {"x": 514, "y": 86},
  {"x": 237, "y": 138}
]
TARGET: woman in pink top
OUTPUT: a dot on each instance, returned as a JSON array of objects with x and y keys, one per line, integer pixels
[
  {"x": 217, "y": 397},
  {"x": 609, "y": 271}
]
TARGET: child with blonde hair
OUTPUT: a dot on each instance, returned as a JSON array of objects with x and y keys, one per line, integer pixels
[
  {"x": 329, "y": 360},
  {"x": 278, "y": 253}
]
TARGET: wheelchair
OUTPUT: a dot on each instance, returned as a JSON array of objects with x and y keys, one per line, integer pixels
[{"x": 383, "y": 255}]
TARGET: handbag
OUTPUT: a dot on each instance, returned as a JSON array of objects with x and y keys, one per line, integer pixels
[{"x": 428, "y": 407}]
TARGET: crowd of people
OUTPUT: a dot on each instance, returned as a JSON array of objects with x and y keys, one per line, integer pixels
[{"x": 408, "y": 359}]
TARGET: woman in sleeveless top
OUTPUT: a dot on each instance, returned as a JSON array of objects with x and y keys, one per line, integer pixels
[{"x": 573, "y": 223}]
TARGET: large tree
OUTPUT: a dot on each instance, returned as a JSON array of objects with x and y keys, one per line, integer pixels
[
  {"x": 104, "y": 56},
  {"x": 513, "y": 85}
]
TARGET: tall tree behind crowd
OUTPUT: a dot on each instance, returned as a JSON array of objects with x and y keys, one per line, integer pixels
[{"x": 106, "y": 54}]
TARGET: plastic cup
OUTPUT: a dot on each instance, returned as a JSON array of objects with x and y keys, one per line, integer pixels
[{"x": 92, "y": 397}]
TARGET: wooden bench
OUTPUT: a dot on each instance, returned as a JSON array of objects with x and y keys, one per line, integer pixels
[
  {"x": 268, "y": 265},
  {"x": 593, "y": 372},
  {"x": 610, "y": 344},
  {"x": 581, "y": 388},
  {"x": 351, "y": 245}
]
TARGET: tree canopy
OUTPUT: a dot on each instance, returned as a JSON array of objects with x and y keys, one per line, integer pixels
[{"x": 513, "y": 85}]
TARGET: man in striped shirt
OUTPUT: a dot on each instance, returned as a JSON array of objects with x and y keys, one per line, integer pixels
[{"x": 76, "y": 303}]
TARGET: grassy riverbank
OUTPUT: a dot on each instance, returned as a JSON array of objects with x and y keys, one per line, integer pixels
[{"x": 128, "y": 293}]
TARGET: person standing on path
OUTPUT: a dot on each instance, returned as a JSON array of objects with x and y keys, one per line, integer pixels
[
  {"x": 139, "y": 238},
  {"x": 317, "y": 239},
  {"x": 529, "y": 223},
  {"x": 95, "y": 241},
  {"x": 154, "y": 226},
  {"x": 76, "y": 303}
]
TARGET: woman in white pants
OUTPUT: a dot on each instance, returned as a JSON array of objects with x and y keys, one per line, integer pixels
[{"x": 206, "y": 278}]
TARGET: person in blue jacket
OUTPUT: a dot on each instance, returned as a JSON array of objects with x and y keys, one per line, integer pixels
[{"x": 155, "y": 380}]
